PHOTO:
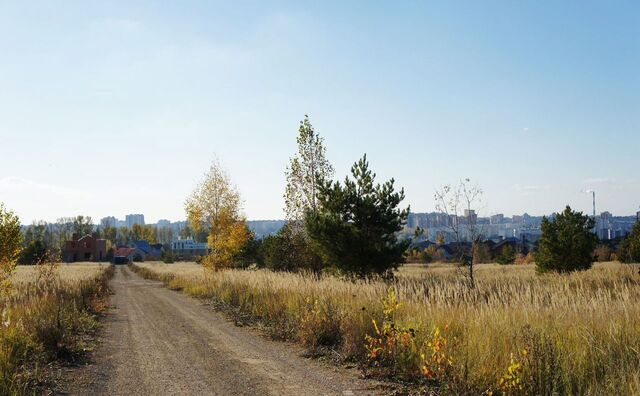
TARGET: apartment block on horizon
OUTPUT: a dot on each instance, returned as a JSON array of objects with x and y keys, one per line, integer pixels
[{"x": 132, "y": 219}]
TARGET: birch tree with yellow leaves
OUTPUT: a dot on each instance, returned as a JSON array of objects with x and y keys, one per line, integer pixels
[
  {"x": 307, "y": 170},
  {"x": 215, "y": 206}
]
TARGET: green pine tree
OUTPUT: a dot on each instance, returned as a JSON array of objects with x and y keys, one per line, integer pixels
[
  {"x": 355, "y": 226},
  {"x": 567, "y": 242}
]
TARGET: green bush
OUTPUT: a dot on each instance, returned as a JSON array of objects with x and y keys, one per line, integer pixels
[
  {"x": 33, "y": 253},
  {"x": 630, "y": 248},
  {"x": 507, "y": 255},
  {"x": 252, "y": 252},
  {"x": 289, "y": 250},
  {"x": 603, "y": 253},
  {"x": 167, "y": 257}
]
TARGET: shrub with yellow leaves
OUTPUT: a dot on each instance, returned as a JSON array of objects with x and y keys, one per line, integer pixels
[
  {"x": 318, "y": 326},
  {"x": 392, "y": 350},
  {"x": 436, "y": 359},
  {"x": 511, "y": 382},
  {"x": 10, "y": 247}
]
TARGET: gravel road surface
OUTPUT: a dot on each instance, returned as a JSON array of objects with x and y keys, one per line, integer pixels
[{"x": 160, "y": 342}]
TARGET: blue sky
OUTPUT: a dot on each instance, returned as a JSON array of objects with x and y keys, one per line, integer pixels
[{"x": 109, "y": 108}]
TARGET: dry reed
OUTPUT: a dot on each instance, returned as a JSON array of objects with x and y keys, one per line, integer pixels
[{"x": 580, "y": 331}]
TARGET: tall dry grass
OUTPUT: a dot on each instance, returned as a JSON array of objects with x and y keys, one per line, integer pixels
[
  {"x": 573, "y": 333},
  {"x": 48, "y": 316}
]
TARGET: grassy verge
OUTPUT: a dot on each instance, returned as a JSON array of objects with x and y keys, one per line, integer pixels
[
  {"x": 43, "y": 323},
  {"x": 515, "y": 333}
]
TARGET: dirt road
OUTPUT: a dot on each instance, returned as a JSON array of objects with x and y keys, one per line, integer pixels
[{"x": 160, "y": 342}]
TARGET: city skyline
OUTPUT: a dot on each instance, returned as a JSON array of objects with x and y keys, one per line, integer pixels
[
  {"x": 585, "y": 206},
  {"x": 120, "y": 107},
  {"x": 434, "y": 225},
  {"x": 116, "y": 221}
]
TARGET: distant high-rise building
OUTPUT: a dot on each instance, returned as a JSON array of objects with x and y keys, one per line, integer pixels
[
  {"x": 412, "y": 220},
  {"x": 497, "y": 219},
  {"x": 471, "y": 216},
  {"x": 163, "y": 223},
  {"x": 132, "y": 219},
  {"x": 441, "y": 220},
  {"x": 108, "y": 221},
  {"x": 604, "y": 225},
  {"x": 454, "y": 220}
]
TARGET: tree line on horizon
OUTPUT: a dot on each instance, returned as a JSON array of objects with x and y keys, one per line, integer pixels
[
  {"x": 43, "y": 239},
  {"x": 348, "y": 227},
  {"x": 352, "y": 227}
]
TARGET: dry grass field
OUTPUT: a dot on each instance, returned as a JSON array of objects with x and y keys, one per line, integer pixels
[
  {"x": 49, "y": 315},
  {"x": 481, "y": 270},
  {"x": 67, "y": 272},
  {"x": 515, "y": 333},
  {"x": 189, "y": 270}
]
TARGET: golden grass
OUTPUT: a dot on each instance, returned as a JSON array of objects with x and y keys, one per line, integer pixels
[
  {"x": 67, "y": 272},
  {"x": 416, "y": 269},
  {"x": 581, "y": 331},
  {"x": 184, "y": 269},
  {"x": 47, "y": 318}
]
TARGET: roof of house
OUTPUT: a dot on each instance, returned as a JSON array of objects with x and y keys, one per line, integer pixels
[
  {"x": 142, "y": 245},
  {"x": 462, "y": 244},
  {"x": 422, "y": 244},
  {"x": 447, "y": 248},
  {"x": 454, "y": 247},
  {"x": 89, "y": 236},
  {"x": 510, "y": 241}
]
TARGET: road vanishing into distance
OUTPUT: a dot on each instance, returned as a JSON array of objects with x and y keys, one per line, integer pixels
[{"x": 159, "y": 342}]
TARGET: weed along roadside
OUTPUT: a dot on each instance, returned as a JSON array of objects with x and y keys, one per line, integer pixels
[
  {"x": 49, "y": 321},
  {"x": 514, "y": 333}
]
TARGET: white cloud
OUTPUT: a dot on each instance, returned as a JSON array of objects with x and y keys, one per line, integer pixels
[
  {"x": 603, "y": 184},
  {"x": 17, "y": 185}
]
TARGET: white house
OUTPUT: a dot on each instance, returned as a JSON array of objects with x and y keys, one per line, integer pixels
[{"x": 189, "y": 247}]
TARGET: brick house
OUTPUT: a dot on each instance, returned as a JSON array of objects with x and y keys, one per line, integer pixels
[{"x": 86, "y": 248}]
